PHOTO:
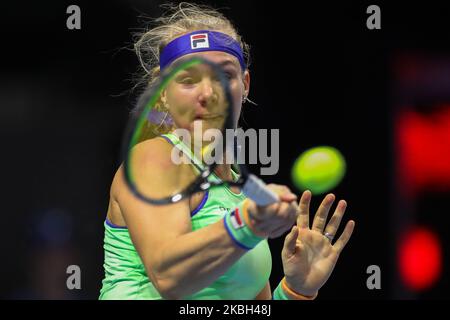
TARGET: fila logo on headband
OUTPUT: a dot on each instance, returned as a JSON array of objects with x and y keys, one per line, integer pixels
[
  {"x": 199, "y": 40},
  {"x": 236, "y": 219}
]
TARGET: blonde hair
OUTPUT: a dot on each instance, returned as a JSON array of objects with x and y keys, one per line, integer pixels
[{"x": 178, "y": 20}]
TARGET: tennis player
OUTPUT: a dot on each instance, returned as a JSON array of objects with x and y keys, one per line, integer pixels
[{"x": 214, "y": 244}]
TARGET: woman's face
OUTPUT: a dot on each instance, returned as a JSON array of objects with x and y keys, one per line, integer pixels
[{"x": 196, "y": 96}]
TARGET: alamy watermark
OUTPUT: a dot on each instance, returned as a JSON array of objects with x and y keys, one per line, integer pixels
[
  {"x": 74, "y": 20},
  {"x": 374, "y": 280},
  {"x": 74, "y": 279},
  {"x": 234, "y": 146},
  {"x": 374, "y": 20}
]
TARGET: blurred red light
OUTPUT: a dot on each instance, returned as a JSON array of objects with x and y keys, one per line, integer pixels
[
  {"x": 420, "y": 259},
  {"x": 423, "y": 143}
]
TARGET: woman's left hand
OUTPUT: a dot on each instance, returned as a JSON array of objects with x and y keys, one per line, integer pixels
[{"x": 308, "y": 254}]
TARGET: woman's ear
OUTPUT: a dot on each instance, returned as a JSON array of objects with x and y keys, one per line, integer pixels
[
  {"x": 246, "y": 82},
  {"x": 163, "y": 98}
]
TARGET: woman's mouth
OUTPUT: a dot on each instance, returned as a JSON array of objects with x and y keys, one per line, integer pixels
[{"x": 208, "y": 116}]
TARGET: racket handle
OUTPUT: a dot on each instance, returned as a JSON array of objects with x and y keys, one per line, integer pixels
[{"x": 257, "y": 190}]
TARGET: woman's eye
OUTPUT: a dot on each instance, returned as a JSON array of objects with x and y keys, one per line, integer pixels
[
  {"x": 229, "y": 75},
  {"x": 187, "y": 80}
]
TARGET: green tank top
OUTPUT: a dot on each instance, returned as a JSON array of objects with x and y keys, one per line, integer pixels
[{"x": 125, "y": 275}]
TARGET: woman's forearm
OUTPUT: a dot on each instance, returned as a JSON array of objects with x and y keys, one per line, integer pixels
[{"x": 194, "y": 260}]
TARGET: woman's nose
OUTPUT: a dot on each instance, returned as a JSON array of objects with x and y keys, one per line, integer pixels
[{"x": 207, "y": 91}]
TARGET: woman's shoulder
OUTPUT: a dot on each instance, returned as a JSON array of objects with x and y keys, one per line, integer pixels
[
  {"x": 157, "y": 151},
  {"x": 150, "y": 157}
]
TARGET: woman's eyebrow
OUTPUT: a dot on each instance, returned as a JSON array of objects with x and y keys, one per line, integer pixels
[
  {"x": 223, "y": 64},
  {"x": 227, "y": 63}
]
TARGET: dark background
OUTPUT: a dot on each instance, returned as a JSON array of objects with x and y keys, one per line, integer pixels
[{"x": 318, "y": 74}]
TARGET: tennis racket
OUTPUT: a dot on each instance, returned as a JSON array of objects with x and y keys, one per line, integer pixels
[{"x": 199, "y": 133}]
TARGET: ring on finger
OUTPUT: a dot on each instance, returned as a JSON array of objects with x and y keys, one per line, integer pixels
[{"x": 329, "y": 236}]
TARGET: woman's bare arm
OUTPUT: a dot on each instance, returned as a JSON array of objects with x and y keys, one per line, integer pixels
[{"x": 178, "y": 261}]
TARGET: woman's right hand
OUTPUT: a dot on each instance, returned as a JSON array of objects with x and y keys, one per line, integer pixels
[{"x": 275, "y": 219}]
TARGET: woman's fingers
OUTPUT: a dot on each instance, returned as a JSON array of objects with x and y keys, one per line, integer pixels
[
  {"x": 333, "y": 225},
  {"x": 277, "y": 233},
  {"x": 283, "y": 220},
  {"x": 288, "y": 197},
  {"x": 322, "y": 213},
  {"x": 303, "y": 208},
  {"x": 345, "y": 236},
  {"x": 267, "y": 212},
  {"x": 291, "y": 240},
  {"x": 287, "y": 212}
]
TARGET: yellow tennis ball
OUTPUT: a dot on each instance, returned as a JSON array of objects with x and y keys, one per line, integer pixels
[{"x": 318, "y": 169}]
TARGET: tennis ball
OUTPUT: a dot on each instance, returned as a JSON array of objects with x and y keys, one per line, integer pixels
[{"x": 318, "y": 169}]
